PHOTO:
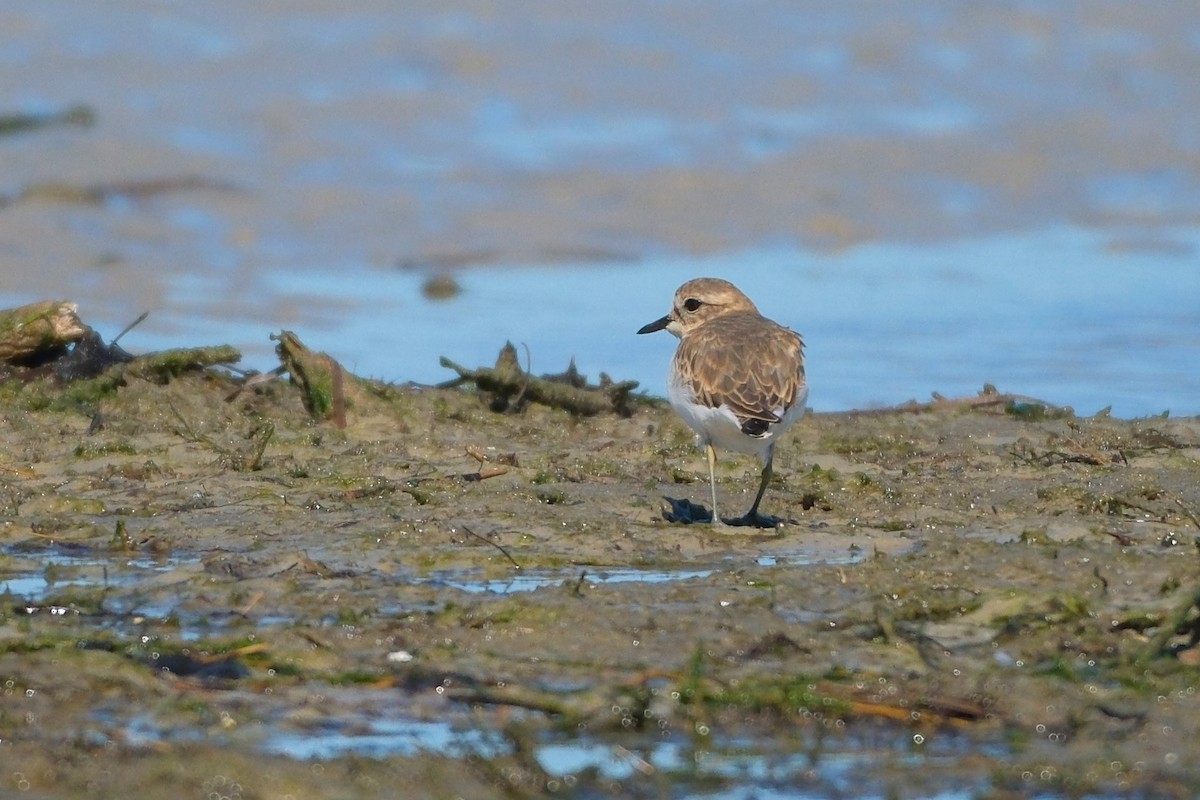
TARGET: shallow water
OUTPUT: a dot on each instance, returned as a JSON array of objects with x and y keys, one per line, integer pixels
[
  {"x": 529, "y": 581},
  {"x": 816, "y": 764},
  {"x": 935, "y": 195},
  {"x": 1063, "y": 315},
  {"x": 55, "y": 571},
  {"x": 383, "y": 737}
]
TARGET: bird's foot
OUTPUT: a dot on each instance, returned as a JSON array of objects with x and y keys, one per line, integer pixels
[{"x": 755, "y": 520}]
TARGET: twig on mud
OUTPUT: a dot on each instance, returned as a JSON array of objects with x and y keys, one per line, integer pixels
[
  {"x": 512, "y": 697},
  {"x": 496, "y": 545},
  {"x": 1145, "y": 509},
  {"x": 262, "y": 435},
  {"x": 314, "y": 640},
  {"x": 1023, "y": 452},
  {"x": 217, "y": 658},
  {"x": 1187, "y": 512},
  {"x": 483, "y": 474},
  {"x": 244, "y": 610},
  {"x": 490, "y": 472},
  {"x": 1123, "y": 539},
  {"x": 190, "y": 433}
]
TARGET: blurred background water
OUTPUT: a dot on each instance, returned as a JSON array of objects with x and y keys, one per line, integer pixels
[{"x": 936, "y": 194}]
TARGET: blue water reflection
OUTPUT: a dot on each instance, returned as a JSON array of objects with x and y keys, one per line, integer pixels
[{"x": 1067, "y": 315}]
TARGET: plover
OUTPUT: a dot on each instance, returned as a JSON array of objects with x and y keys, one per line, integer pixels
[{"x": 737, "y": 378}]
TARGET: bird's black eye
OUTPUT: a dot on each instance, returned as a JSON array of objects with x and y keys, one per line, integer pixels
[{"x": 691, "y": 304}]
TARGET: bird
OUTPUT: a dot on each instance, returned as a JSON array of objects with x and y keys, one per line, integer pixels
[{"x": 737, "y": 378}]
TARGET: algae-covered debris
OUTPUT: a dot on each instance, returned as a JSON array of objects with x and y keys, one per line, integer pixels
[
  {"x": 39, "y": 332},
  {"x": 18, "y": 122},
  {"x": 325, "y": 386},
  {"x": 512, "y": 387},
  {"x": 58, "y": 360},
  {"x": 98, "y": 193}
]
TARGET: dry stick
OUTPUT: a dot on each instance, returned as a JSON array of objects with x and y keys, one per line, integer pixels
[
  {"x": 496, "y": 545},
  {"x": 483, "y": 474},
  {"x": 491, "y": 472},
  {"x": 217, "y": 658},
  {"x": 528, "y": 700},
  {"x": 141, "y": 318},
  {"x": 188, "y": 433},
  {"x": 244, "y": 610}
]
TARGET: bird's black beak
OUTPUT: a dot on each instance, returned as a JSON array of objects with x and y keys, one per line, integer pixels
[{"x": 657, "y": 325}]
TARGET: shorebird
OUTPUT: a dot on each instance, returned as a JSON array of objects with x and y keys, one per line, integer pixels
[{"x": 737, "y": 378}]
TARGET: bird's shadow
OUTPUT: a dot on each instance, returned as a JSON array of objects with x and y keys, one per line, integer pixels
[{"x": 681, "y": 511}]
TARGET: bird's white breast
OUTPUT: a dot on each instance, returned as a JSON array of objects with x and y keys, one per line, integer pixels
[{"x": 720, "y": 426}]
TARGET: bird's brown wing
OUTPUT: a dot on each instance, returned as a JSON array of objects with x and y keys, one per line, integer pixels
[{"x": 752, "y": 368}]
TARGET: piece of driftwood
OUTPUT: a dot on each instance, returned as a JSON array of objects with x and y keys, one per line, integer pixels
[
  {"x": 325, "y": 387},
  {"x": 90, "y": 357},
  {"x": 99, "y": 193},
  {"x": 989, "y": 399},
  {"x": 47, "y": 340},
  {"x": 512, "y": 387},
  {"x": 20, "y": 123},
  {"x": 166, "y": 364},
  {"x": 39, "y": 332}
]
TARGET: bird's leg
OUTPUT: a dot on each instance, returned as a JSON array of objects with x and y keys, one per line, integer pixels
[
  {"x": 712, "y": 480},
  {"x": 752, "y": 517},
  {"x": 762, "y": 487}
]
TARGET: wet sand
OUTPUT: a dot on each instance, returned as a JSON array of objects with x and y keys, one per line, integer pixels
[
  {"x": 966, "y": 598},
  {"x": 221, "y": 597}
]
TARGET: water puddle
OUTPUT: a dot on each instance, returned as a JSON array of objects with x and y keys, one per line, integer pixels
[
  {"x": 812, "y": 767},
  {"x": 385, "y": 737},
  {"x": 721, "y": 768},
  {"x": 57, "y": 571},
  {"x": 958, "y": 315},
  {"x": 809, "y": 557},
  {"x": 538, "y": 579},
  {"x": 34, "y": 578},
  {"x": 532, "y": 580}
]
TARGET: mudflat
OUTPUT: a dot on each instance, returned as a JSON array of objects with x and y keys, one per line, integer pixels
[{"x": 211, "y": 591}]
